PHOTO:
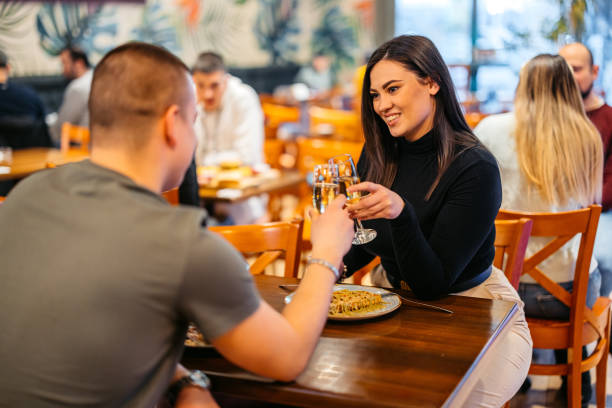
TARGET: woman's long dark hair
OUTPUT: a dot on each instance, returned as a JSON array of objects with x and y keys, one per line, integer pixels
[{"x": 451, "y": 133}]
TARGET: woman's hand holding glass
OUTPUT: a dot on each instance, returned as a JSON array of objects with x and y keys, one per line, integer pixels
[
  {"x": 381, "y": 202},
  {"x": 331, "y": 233},
  {"x": 348, "y": 176}
]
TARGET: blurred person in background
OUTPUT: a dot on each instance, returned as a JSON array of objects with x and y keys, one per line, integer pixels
[
  {"x": 585, "y": 72},
  {"x": 318, "y": 75},
  {"x": 17, "y": 100},
  {"x": 22, "y": 117},
  {"x": 77, "y": 69},
  {"x": 230, "y": 131},
  {"x": 550, "y": 159}
]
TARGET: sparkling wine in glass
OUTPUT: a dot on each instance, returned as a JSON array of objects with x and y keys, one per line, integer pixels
[
  {"x": 347, "y": 176},
  {"x": 325, "y": 186}
]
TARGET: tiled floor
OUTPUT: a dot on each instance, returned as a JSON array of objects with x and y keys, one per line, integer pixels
[{"x": 545, "y": 392}]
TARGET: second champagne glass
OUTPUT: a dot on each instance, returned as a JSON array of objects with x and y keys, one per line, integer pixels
[
  {"x": 347, "y": 176},
  {"x": 325, "y": 186}
]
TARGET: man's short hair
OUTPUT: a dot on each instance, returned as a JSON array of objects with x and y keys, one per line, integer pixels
[
  {"x": 132, "y": 86},
  {"x": 77, "y": 54},
  {"x": 208, "y": 62},
  {"x": 3, "y": 60}
]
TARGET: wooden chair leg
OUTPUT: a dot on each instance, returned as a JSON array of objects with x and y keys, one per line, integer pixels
[
  {"x": 600, "y": 382},
  {"x": 574, "y": 382},
  {"x": 602, "y": 373}
]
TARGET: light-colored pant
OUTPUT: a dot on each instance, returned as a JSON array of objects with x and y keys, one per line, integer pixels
[{"x": 506, "y": 371}]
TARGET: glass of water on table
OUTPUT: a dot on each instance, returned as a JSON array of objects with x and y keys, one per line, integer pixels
[{"x": 347, "y": 176}]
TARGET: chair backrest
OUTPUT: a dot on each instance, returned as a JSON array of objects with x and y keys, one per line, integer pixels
[
  {"x": 511, "y": 238},
  {"x": 172, "y": 196},
  {"x": 275, "y": 115},
  {"x": 74, "y": 135},
  {"x": 562, "y": 227},
  {"x": 273, "y": 150},
  {"x": 474, "y": 118},
  {"x": 312, "y": 151},
  {"x": 345, "y": 125},
  {"x": 270, "y": 240}
]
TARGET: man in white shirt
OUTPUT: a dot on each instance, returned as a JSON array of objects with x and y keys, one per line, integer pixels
[
  {"x": 74, "y": 106},
  {"x": 230, "y": 127}
]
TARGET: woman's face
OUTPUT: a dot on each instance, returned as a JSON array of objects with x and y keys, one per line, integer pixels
[{"x": 405, "y": 102}]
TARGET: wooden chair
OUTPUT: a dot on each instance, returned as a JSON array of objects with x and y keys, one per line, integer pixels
[
  {"x": 361, "y": 273},
  {"x": 474, "y": 118},
  {"x": 511, "y": 237},
  {"x": 74, "y": 137},
  {"x": 275, "y": 115},
  {"x": 273, "y": 150},
  {"x": 270, "y": 240},
  {"x": 345, "y": 125},
  {"x": 172, "y": 196},
  {"x": 585, "y": 325}
]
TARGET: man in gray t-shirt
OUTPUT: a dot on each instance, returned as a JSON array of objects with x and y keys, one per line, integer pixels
[{"x": 100, "y": 275}]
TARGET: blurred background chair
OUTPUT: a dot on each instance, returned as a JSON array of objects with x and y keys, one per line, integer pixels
[
  {"x": 275, "y": 115},
  {"x": 270, "y": 241},
  {"x": 74, "y": 137},
  {"x": 338, "y": 124},
  {"x": 585, "y": 325}
]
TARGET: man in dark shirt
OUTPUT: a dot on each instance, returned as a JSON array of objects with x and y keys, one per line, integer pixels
[
  {"x": 580, "y": 59},
  {"x": 17, "y": 100}
]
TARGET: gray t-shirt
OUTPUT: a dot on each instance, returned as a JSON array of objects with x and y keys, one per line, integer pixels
[{"x": 99, "y": 278}]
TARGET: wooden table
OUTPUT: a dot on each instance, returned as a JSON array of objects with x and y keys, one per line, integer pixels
[
  {"x": 28, "y": 161},
  {"x": 286, "y": 180},
  {"x": 410, "y": 358}
]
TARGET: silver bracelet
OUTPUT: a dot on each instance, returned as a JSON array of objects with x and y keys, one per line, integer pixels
[{"x": 326, "y": 264}]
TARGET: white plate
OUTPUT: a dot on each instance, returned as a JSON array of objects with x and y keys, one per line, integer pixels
[{"x": 391, "y": 303}]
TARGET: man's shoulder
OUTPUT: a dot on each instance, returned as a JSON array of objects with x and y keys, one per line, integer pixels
[
  {"x": 82, "y": 83},
  {"x": 239, "y": 91}
]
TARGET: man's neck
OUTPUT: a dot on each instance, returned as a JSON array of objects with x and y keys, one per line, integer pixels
[
  {"x": 592, "y": 102},
  {"x": 3, "y": 76},
  {"x": 146, "y": 173},
  {"x": 80, "y": 71}
]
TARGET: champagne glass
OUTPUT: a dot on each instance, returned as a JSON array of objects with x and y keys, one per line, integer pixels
[
  {"x": 347, "y": 176},
  {"x": 325, "y": 186}
]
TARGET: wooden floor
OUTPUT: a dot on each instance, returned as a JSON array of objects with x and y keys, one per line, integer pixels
[{"x": 545, "y": 392}]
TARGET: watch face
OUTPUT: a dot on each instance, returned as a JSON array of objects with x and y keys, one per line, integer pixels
[{"x": 200, "y": 379}]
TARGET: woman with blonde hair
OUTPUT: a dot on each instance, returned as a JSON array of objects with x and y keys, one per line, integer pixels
[{"x": 550, "y": 159}]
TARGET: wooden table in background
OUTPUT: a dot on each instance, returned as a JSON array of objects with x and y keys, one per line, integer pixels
[
  {"x": 28, "y": 161},
  {"x": 410, "y": 358},
  {"x": 285, "y": 181}
]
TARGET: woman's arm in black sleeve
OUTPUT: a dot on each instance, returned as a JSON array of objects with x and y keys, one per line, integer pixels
[{"x": 465, "y": 220}]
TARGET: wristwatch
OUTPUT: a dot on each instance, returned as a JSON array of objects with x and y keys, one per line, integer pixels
[{"x": 196, "y": 378}]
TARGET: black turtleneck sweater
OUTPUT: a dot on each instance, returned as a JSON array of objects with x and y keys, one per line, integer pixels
[{"x": 445, "y": 244}]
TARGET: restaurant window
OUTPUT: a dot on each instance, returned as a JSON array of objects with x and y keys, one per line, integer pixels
[{"x": 485, "y": 60}]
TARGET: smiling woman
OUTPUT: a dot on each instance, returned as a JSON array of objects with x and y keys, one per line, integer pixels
[{"x": 434, "y": 194}]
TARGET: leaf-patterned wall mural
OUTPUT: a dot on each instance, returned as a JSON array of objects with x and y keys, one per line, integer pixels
[
  {"x": 248, "y": 33},
  {"x": 62, "y": 24}
]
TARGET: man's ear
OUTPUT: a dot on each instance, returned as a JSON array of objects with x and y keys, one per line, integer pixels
[
  {"x": 595, "y": 71},
  {"x": 170, "y": 117}
]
